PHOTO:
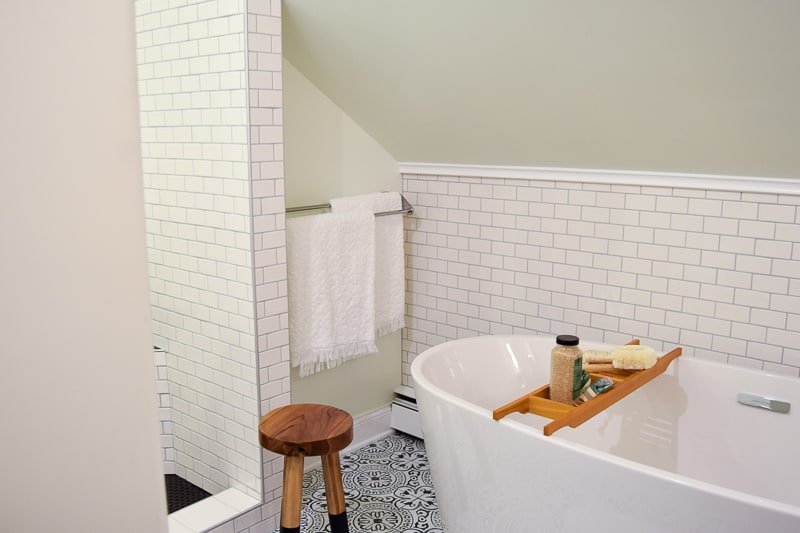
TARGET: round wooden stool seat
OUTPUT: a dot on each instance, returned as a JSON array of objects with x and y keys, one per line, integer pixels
[
  {"x": 306, "y": 428},
  {"x": 296, "y": 431}
]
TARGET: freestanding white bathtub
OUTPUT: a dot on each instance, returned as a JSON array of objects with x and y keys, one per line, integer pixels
[{"x": 678, "y": 455}]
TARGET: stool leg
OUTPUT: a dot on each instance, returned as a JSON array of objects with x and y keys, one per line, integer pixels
[
  {"x": 292, "y": 493},
  {"x": 337, "y": 511}
]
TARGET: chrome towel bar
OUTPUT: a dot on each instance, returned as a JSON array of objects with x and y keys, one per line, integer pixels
[{"x": 407, "y": 208}]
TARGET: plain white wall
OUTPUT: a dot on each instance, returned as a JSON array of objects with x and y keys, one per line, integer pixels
[
  {"x": 80, "y": 447},
  {"x": 329, "y": 155}
]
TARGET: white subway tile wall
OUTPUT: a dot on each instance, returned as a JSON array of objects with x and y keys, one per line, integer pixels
[
  {"x": 716, "y": 272},
  {"x": 266, "y": 169},
  {"x": 193, "y": 99},
  {"x": 211, "y": 90},
  {"x": 164, "y": 410}
]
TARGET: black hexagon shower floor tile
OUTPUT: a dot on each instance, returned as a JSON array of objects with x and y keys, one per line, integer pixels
[{"x": 387, "y": 487}]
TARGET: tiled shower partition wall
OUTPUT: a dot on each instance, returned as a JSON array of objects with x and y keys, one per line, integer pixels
[
  {"x": 210, "y": 89},
  {"x": 717, "y": 272},
  {"x": 266, "y": 173},
  {"x": 193, "y": 98},
  {"x": 164, "y": 411}
]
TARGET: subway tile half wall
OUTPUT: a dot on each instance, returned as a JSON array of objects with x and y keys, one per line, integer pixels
[{"x": 717, "y": 272}]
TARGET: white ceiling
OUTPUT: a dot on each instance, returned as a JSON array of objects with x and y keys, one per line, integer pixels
[{"x": 705, "y": 86}]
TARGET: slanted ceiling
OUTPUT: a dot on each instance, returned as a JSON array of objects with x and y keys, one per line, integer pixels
[{"x": 705, "y": 86}]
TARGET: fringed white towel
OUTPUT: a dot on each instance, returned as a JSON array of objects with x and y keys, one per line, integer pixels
[
  {"x": 389, "y": 261},
  {"x": 331, "y": 271}
]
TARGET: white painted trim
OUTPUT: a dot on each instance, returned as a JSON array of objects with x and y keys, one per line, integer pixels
[
  {"x": 617, "y": 177},
  {"x": 367, "y": 427},
  {"x": 371, "y": 426}
]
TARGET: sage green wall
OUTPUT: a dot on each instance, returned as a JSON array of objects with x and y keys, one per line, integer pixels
[
  {"x": 679, "y": 86},
  {"x": 357, "y": 386},
  {"x": 328, "y": 155}
]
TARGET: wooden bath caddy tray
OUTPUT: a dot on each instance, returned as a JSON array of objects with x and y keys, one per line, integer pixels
[{"x": 539, "y": 403}]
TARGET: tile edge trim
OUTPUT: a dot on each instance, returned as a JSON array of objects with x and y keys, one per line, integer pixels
[{"x": 615, "y": 177}]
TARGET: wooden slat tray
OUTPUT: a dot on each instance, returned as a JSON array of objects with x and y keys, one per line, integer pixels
[{"x": 539, "y": 403}]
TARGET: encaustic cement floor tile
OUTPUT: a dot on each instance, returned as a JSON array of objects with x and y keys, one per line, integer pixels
[{"x": 387, "y": 487}]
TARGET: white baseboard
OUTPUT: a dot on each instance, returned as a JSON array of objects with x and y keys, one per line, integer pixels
[{"x": 367, "y": 427}]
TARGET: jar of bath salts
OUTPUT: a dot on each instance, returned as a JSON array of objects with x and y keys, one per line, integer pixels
[{"x": 566, "y": 364}]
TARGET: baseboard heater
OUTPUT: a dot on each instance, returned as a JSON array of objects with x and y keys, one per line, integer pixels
[{"x": 405, "y": 413}]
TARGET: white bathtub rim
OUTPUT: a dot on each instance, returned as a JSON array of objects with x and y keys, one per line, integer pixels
[
  {"x": 600, "y": 345},
  {"x": 672, "y": 477}
]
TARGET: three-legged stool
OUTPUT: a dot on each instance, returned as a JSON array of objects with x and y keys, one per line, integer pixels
[{"x": 300, "y": 430}]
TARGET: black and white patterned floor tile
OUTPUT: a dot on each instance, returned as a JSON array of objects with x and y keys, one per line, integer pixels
[{"x": 387, "y": 487}]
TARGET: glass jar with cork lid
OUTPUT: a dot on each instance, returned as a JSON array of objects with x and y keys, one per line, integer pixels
[{"x": 566, "y": 369}]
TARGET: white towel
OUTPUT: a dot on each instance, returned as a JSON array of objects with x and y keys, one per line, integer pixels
[
  {"x": 331, "y": 271},
  {"x": 390, "y": 287}
]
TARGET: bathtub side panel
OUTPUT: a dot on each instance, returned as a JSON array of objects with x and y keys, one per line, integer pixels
[{"x": 498, "y": 477}]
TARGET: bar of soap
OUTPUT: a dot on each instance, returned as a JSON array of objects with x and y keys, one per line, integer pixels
[{"x": 634, "y": 357}]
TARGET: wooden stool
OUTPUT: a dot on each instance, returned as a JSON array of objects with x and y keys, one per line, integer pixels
[{"x": 296, "y": 431}]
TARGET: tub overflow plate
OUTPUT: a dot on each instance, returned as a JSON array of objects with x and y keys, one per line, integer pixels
[{"x": 763, "y": 402}]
